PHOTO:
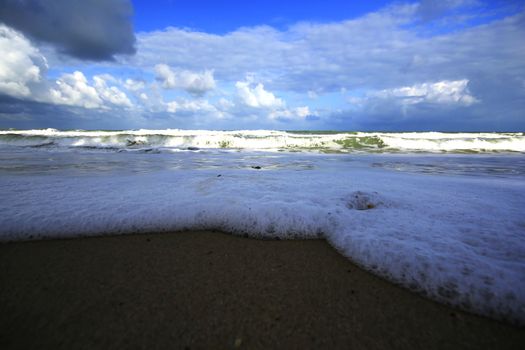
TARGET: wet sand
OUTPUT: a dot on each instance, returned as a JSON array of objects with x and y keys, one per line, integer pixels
[{"x": 213, "y": 290}]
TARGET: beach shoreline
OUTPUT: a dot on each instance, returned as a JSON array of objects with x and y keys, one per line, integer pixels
[{"x": 215, "y": 290}]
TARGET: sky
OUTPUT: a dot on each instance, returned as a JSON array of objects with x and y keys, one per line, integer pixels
[{"x": 449, "y": 65}]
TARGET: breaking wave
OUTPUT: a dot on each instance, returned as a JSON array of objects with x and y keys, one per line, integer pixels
[{"x": 268, "y": 140}]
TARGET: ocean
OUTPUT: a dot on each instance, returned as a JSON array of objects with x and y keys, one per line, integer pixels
[{"x": 442, "y": 214}]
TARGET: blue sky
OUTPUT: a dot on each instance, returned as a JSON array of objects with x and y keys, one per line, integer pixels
[
  {"x": 451, "y": 65},
  {"x": 225, "y": 16}
]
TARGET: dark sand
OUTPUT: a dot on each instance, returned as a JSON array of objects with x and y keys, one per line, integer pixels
[{"x": 212, "y": 290}]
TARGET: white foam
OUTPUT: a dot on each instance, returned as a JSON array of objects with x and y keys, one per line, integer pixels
[
  {"x": 271, "y": 140},
  {"x": 459, "y": 240},
  {"x": 434, "y": 141}
]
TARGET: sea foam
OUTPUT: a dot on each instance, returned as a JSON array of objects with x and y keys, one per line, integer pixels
[
  {"x": 456, "y": 239},
  {"x": 173, "y": 139}
]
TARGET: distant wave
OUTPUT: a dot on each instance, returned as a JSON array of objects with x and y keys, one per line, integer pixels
[{"x": 268, "y": 140}]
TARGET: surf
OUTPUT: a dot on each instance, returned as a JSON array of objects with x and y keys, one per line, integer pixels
[{"x": 268, "y": 140}]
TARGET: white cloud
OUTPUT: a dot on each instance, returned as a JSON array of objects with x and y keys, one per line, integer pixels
[
  {"x": 110, "y": 94},
  {"x": 307, "y": 56},
  {"x": 373, "y": 52},
  {"x": 21, "y": 64},
  {"x": 189, "y": 106},
  {"x": 257, "y": 97},
  {"x": 293, "y": 113},
  {"x": 303, "y": 112},
  {"x": 225, "y": 104},
  {"x": 256, "y": 101},
  {"x": 197, "y": 83},
  {"x": 312, "y": 95},
  {"x": 23, "y": 75},
  {"x": 448, "y": 92},
  {"x": 134, "y": 85},
  {"x": 75, "y": 90}
]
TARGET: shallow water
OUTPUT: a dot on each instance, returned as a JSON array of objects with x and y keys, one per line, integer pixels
[{"x": 22, "y": 160}]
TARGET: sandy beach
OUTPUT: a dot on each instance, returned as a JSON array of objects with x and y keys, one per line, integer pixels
[{"x": 214, "y": 290}]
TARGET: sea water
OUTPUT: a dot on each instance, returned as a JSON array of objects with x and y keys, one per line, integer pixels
[{"x": 442, "y": 214}]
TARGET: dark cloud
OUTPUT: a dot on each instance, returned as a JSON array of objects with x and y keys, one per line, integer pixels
[
  {"x": 22, "y": 114},
  {"x": 86, "y": 29},
  {"x": 387, "y": 116}
]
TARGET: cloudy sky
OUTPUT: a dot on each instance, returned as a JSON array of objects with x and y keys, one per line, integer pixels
[{"x": 449, "y": 65}]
